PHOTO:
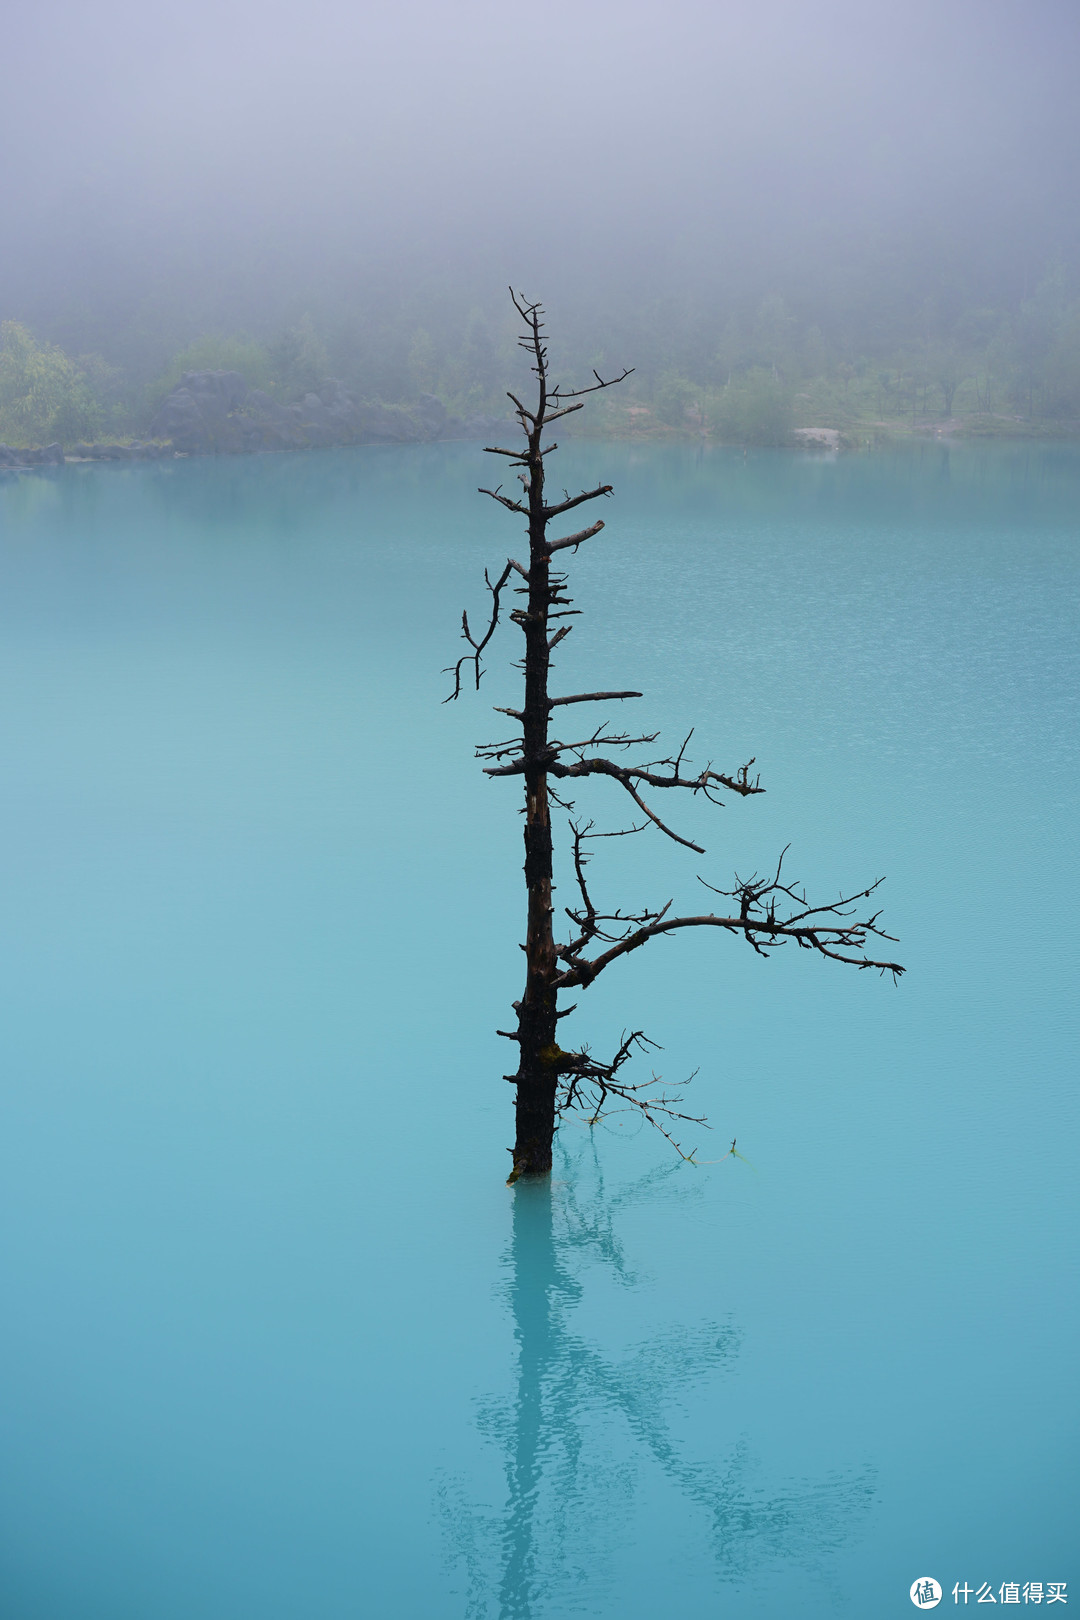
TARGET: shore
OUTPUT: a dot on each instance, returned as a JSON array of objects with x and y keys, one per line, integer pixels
[{"x": 634, "y": 424}]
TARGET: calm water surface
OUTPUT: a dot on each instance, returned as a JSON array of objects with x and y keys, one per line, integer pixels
[{"x": 279, "y": 1344}]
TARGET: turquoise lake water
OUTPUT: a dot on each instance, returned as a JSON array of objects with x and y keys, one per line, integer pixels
[{"x": 278, "y": 1342}]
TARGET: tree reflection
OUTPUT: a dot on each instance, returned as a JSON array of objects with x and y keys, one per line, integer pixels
[{"x": 583, "y": 1425}]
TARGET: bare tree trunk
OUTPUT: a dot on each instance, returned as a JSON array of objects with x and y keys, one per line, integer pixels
[{"x": 537, "y": 1076}]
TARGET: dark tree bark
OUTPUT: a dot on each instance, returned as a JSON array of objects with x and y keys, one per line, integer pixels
[{"x": 769, "y": 912}]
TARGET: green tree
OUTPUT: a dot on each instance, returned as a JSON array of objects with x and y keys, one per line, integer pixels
[
  {"x": 478, "y": 360},
  {"x": 774, "y": 336},
  {"x": 423, "y": 362},
  {"x": 1061, "y": 369},
  {"x": 814, "y": 355},
  {"x": 756, "y": 409},
  {"x": 731, "y": 350},
  {"x": 947, "y": 367},
  {"x": 44, "y": 396},
  {"x": 1035, "y": 337},
  {"x": 298, "y": 359},
  {"x": 673, "y": 395}
]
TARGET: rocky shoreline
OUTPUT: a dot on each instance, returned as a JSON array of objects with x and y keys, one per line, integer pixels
[{"x": 217, "y": 413}]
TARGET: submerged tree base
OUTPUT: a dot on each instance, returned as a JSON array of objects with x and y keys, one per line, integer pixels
[{"x": 526, "y": 1169}]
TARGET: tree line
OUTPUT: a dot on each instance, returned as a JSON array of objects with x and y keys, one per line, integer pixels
[{"x": 749, "y": 373}]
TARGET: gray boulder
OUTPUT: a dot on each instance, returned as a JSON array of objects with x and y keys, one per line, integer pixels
[
  {"x": 49, "y": 455},
  {"x": 274, "y": 426},
  {"x": 320, "y": 424},
  {"x": 337, "y": 398},
  {"x": 180, "y": 419},
  {"x": 216, "y": 392},
  {"x": 199, "y": 413}
]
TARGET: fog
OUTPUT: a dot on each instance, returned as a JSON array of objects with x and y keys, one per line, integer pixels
[{"x": 233, "y": 165}]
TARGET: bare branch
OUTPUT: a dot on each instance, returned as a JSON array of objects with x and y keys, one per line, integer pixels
[
  {"x": 574, "y": 539},
  {"x": 567, "y": 410},
  {"x": 588, "y": 697},
  {"x": 614, "y": 739},
  {"x": 504, "y": 500},
  {"x": 586, "y": 921},
  {"x": 594, "y": 388},
  {"x": 549, "y": 757},
  {"x": 478, "y": 646},
  {"x": 654, "y": 818},
  {"x": 588, "y": 1086},
  {"x": 525, "y": 309},
  {"x": 591, "y": 923},
  {"x": 520, "y": 407},
  {"x": 630, "y": 776},
  {"x": 739, "y": 783},
  {"x": 832, "y": 929},
  {"x": 575, "y": 500}
]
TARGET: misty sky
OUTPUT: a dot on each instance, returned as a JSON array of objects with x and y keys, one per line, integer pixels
[{"x": 565, "y": 144}]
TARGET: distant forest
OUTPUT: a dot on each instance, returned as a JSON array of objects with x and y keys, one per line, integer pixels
[{"x": 884, "y": 352}]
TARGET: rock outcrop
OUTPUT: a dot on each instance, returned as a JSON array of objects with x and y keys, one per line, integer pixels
[
  {"x": 818, "y": 438},
  {"x": 132, "y": 451},
  {"x": 53, "y": 455},
  {"x": 50, "y": 455}
]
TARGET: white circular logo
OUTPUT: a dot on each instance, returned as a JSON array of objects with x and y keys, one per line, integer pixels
[{"x": 925, "y": 1592}]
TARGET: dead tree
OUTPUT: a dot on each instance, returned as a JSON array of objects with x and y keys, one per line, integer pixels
[{"x": 766, "y": 912}]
